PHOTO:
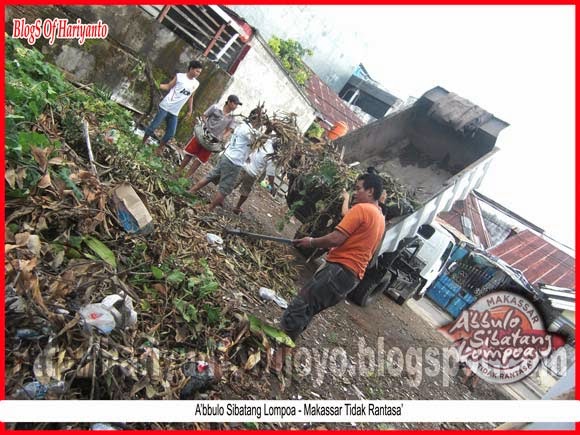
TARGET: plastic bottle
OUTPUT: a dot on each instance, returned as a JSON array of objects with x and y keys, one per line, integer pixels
[
  {"x": 270, "y": 295},
  {"x": 36, "y": 391}
]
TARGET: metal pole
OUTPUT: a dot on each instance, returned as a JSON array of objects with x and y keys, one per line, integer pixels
[
  {"x": 163, "y": 13},
  {"x": 214, "y": 40}
]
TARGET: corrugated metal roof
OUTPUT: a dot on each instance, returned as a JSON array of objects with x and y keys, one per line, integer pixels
[
  {"x": 469, "y": 208},
  {"x": 539, "y": 260},
  {"x": 329, "y": 104}
]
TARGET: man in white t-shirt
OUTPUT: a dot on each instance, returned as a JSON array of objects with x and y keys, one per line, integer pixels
[
  {"x": 228, "y": 169},
  {"x": 181, "y": 90},
  {"x": 258, "y": 160}
]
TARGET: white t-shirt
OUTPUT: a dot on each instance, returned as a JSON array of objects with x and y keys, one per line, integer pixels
[
  {"x": 179, "y": 94},
  {"x": 259, "y": 160},
  {"x": 240, "y": 142}
]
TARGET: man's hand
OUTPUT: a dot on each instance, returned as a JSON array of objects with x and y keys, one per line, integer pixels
[
  {"x": 345, "y": 195},
  {"x": 305, "y": 242},
  {"x": 189, "y": 113}
]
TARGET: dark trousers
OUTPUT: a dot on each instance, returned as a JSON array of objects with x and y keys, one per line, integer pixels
[{"x": 326, "y": 288}]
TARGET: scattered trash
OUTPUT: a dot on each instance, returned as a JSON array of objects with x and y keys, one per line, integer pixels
[
  {"x": 201, "y": 375},
  {"x": 131, "y": 211},
  {"x": 98, "y": 316},
  {"x": 29, "y": 334},
  {"x": 214, "y": 239},
  {"x": 122, "y": 310},
  {"x": 270, "y": 295},
  {"x": 37, "y": 391},
  {"x": 112, "y": 312}
]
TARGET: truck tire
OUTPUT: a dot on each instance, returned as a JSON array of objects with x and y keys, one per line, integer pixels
[
  {"x": 367, "y": 290},
  {"x": 401, "y": 300},
  {"x": 418, "y": 295}
]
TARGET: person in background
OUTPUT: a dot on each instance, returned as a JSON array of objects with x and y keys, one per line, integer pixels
[
  {"x": 219, "y": 123},
  {"x": 352, "y": 245},
  {"x": 258, "y": 160},
  {"x": 181, "y": 89},
  {"x": 228, "y": 169}
]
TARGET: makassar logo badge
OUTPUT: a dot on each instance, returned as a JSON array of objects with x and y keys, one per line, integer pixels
[{"x": 501, "y": 337}]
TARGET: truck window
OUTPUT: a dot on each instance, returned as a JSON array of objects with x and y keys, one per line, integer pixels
[
  {"x": 446, "y": 254},
  {"x": 426, "y": 231}
]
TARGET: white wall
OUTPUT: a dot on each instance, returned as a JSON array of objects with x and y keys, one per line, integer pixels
[
  {"x": 337, "y": 50},
  {"x": 260, "y": 79}
]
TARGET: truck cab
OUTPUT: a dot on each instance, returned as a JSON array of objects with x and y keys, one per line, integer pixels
[{"x": 420, "y": 263}]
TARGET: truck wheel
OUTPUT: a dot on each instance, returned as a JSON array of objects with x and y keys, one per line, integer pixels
[
  {"x": 400, "y": 300},
  {"x": 367, "y": 291},
  {"x": 419, "y": 293}
]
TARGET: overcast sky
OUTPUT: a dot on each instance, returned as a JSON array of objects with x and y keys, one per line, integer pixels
[{"x": 516, "y": 62}]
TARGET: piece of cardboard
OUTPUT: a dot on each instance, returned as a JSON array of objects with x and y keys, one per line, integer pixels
[{"x": 131, "y": 211}]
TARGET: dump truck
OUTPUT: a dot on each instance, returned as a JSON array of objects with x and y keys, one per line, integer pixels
[{"x": 438, "y": 149}]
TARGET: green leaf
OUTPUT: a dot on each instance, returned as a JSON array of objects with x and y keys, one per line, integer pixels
[
  {"x": 175, "y": 277},
  {"x": 27, "y": 139},
  {"x": 73, "y": 253},
  {"x": 187, "y": 310},
  {"x": 64, "y": 174},
  {"x": 75, "y": 241},
  {"x": 101, "y": 250},
  {"x": 157, "y": 273},
  {"x": 256, "y": 325},
  {"x": 213, "y": 314}
]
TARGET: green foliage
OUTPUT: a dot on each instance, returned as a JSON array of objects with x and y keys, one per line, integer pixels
[
  {"x": 315, "y": 130},
  {"x": 259, "y": 326},
  {"x": 205, "y": 283},
  {"x": 41, "y": 102},
  {"x": 99, "y": 248},
  {"x": 291, "y": 53},
  {"x": 157, "y": 273},
  {"x": 187, "y": 310}
]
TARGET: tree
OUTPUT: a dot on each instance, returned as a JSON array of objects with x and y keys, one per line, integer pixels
[{"x": 290, "y": 53}]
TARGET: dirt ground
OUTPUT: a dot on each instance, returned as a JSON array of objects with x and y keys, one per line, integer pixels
[{"x": 339, "y": 356}]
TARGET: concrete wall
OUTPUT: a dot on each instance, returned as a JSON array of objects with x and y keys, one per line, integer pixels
[
  {"x": 118, "y": 63},
  {"x": 136, "y": 39},
  {"x": 261, "y": 79}
]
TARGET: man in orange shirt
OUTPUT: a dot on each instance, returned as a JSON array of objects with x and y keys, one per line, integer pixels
[{"x": 353, "y": 243}]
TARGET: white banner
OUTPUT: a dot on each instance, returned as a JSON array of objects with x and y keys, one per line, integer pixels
[{"x": 174, "y": 411}]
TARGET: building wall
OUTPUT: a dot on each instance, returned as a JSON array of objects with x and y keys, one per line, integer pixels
[
  {"x": 118, "y": 63},
  {"x": 336, "y": 52},
  {"x": 261, "y": 79}
]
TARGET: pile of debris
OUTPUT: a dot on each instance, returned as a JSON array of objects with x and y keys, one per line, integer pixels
[{"x": 118, "y": 286}]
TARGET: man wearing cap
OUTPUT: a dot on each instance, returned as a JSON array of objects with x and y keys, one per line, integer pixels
[
  {"x": 219, "y": 123},
  {"x": 232, "y": 161}
]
